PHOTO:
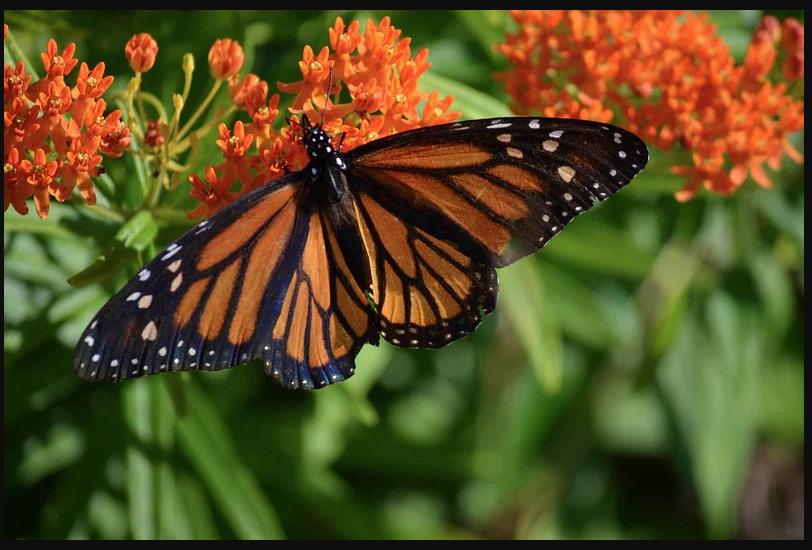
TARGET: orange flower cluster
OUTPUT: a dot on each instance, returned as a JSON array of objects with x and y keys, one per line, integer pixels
[
  {"x": 381, "y": 77},
  {"x": 671, "y": 78},
  {"x": 53, "y": 133}
]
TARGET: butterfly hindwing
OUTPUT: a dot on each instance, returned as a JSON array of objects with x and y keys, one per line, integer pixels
[
  {"x": 427, "y": 293},
  {"x": 325, "y": 319}
]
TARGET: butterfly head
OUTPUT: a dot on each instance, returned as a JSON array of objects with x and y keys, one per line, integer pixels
[{"x": 326, "y": 162}]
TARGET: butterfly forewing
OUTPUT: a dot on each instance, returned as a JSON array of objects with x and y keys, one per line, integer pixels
[
  {"x": 498, "y": 189},
  {"x": 206, "y": 301}
]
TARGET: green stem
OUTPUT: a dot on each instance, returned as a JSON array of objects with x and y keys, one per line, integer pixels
[
  {"x": 104, "y": 212},
  {"x": 202, "y": 131},
  {"x": 152, "y": 100},
  {"x": 201, "y": 109},
  {"x": 151, "y": 200}
]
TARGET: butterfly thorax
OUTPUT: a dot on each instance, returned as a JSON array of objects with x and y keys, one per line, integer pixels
[{"x": 327, "y": 165}]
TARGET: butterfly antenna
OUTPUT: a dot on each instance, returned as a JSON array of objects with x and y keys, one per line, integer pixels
[{"x": 327, "y": 99}]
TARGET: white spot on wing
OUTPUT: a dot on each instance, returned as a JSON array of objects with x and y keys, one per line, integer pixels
[
  {"x": 550, "y": 145},
  {"x": 171, "y": 252},
  {"x": 89, "y": 340},
  {"x": 176, "y": 282},
  {"x": 534, "y": 125},
  {"x": 621, "y": 154},
  {"x": 143, "y": 275},
  {"x": 568, "y": 196},
  {"x": 556, "y": 134},
  {"x": 150, "y": 331},
  {"x": 162, "y": 351},
  {"x": 496, "y": 126},
  {"x": 133, "y": 297},
  {"x": 566, "y": 173},
  {"x": 93, "y": 324},
  {"x": 95, "y": 358}
]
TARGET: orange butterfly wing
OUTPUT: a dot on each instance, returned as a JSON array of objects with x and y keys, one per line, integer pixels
[
  {"x": 443, "y": 206},
  {"x": 283, "y": 274},
  {"x": 325, "y": 318},
  {"x": 258, "y": 278}
]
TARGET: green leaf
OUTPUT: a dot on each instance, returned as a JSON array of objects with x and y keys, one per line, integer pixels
[
  {"x": 523, "y": 291},
  {"x": 206, "y": 441},
  {"x": 140, "y": 468},
  {"x": 711, "y": 382},
  {"x": 12, "y": 53},
  {"x": 486, "y": 26},
  {"x": 133, "y": 237},
  {"x": 193, "y": 499},
  {"x": 472, "y": 103}
]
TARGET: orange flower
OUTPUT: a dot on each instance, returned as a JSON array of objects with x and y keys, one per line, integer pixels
[
  {"x": 48, "y": 119},
  {"x": 141, "y": 51},
  {"x": 39, "y": 175},
  {"x": 225, "y": 58},
  {"x": 234, "y": 148},
  {"x": 15, "y": 192},
  {"x": 57, "y": 64},
  {"x": 93, "y": 83},
  {"x": 247, "y": 91},
  {"x": 115, "y": 136},
  {"x": 380, "y": 75},
  {"x": 15, "y": 83},
  {"x": 670, "y": 77},
  {"x": 212, "y": 193},
  {"x": 314, "y": 70}
]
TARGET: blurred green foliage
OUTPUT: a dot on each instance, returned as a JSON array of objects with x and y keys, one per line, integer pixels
[{"x": 642, "y": 377}]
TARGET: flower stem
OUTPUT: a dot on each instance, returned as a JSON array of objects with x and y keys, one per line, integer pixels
[
  {"x": 200, "y": 110},
  {"x": 203, "y": 130},
  {"x": 155, "y": 102}
]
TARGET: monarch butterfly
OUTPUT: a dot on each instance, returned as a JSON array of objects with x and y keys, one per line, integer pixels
[{"x": 398, "y": 238}]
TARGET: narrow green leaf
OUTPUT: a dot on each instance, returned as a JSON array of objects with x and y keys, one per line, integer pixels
[
  {"x": 170, "y": 525},
  {"x": 193, "y": 499},
  {"x": 710, "y": 380},
  {"x": 140, "y": 469},
  {"x": 522, "y": 289},
  {"x": 205, "y": 440},
  {"x": 37, "y": 226},
  {"x": 601, "y": 248},
  {"x": 12, "y": 53},
  {"x": 472, "y": 103},
  {"x": 480, "y": 26},
  {"x": 133, "y": 237}
]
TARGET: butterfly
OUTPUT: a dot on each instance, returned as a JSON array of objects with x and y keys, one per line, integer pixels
[{"x": 398, "y": 239}]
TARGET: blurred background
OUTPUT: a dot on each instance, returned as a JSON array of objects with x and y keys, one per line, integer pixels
[{"x": 642, "y": 377}]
